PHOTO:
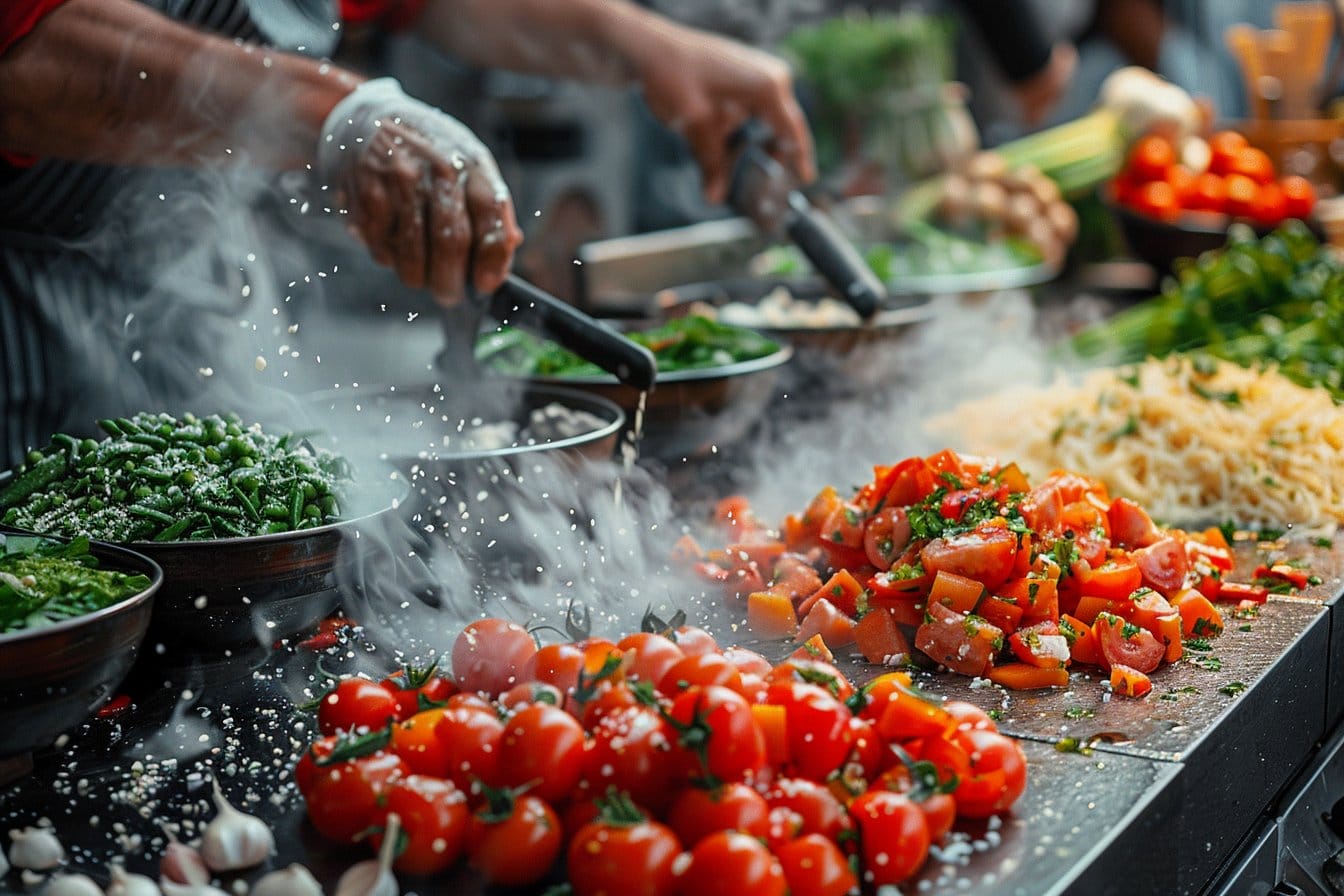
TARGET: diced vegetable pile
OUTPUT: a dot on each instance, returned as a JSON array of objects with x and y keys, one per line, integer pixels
[
  {"x": 994, "y": 578},
  {"x": 157, "y": 477},
  {"x": 44, "y": 581},
  {"x": 658, "y": 764},
  {"x": 689, "y": 343}
]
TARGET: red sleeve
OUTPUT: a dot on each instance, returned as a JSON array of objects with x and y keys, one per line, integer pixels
[
  {"x": 17, "y": 18},
  {"x": 391, "y": 14}
]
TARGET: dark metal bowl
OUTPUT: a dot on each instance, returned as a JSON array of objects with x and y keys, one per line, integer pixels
[
  {"x": 690, "y": 412},
  {"x": 52, "y": 677}
]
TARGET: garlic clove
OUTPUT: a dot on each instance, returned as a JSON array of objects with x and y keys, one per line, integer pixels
[
  {"x": 126, "y": 884},
  {"x": 72, "y": 885},
  {"x": 235, "y": 840},
  {"x": 170, "y": 888},
  {"x": 182, "y": 864},
  {"x": 295, "y": 880},
  {"x": 35, "y": 849},
  {"x": 374, "y": 877}
]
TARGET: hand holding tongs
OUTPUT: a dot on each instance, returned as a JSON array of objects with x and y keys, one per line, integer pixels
[
  {"x": 521, "y": 304},
  {"x": 763, "y": 190}
]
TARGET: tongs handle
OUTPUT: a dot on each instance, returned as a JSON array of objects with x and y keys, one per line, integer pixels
[{"x": 524, "y": 305}]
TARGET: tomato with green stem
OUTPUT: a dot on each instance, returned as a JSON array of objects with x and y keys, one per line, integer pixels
[
  {"x": 418, "y": 687},
  {"x": 650, "y": 655},
  {"x": 434, "y": 817},
  {"x": 631, "y": 751},
  {"x": 815, "y": 866},
  {"x": 893, "y": 837},
  {"x": 622, "y": 853},
  {"x": 514, "y": 839},
  {"x": 698, "y": 812},
  {"x": 342, "y": 799},
  {"x": 820, "y": 738},
  {"x": 356, "y": 704},
  {"x": 715, "y": 728},
  {"x": 470, "y": 739},
  {"x": 490, "y": 654},
  {"x": 731, "y": 864}
]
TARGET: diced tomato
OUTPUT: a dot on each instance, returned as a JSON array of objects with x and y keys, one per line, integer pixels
[
  {"x": 734, "y": 514},
  {"x": 905, "y": 715},
  {"x": 770, "y": 614},
  {"x": 1075, "y": 486},
  {"x": 880, "y": 639},
  {"x": 1127, "y": 644},
  {"x": 1131, "y": 526},
  {"x": 1093, "y": 547},
  {"x": 797, "y": 534},
  {"x": 1043, "y": 510},
  {"x": 1199, "y": 617},
  {"x": 1041, "y": 645},
  {"x": 1219, "y": 558},
  {"x": 1169, "y": 632},
  {"x": 986, "y": 554},
  {"x": 764, "y": 552},
  {"x": 1163, "y": 564},
  {"x": 826, "y": 502},
  {"x": 1083, "y": 646},
  {"x": 1129, "y": 682},
  {"x": 909, "y": 482},
  {"x": 1001, "y": 612},
  {"x": 1026, "y": 677},
  {"x": 1038, "y": 598},
  {"x": 824, "y": 620},
  {"x": 1238, "y": 592},
  {"x": 1210, "y": 586},
  {"x": 1089, "y": 608},
  {"x": 841, "y": 589},
  {"x": 795, "y": 576},
  {"x": 963, "y": 644},
  {"x": 1284, "y": 573},
  {"x": 1085, "y": 518},
  {"x": 945, "y": 462},
  {"x": 955, "y": 502},
  {"x": 956, "y": 592},
  {"x": 843, "y": 527},
  {"x": 686, "y": 551},
  {"x": 839, "y": 556},
  {"x": 1147, "y": 607},
  {"x": 1013, "y": 479},
  {"x": 1115, "y": 579},
  {"x": 814, "y": 649},
  {"x": 743, "y": 579},
  {"x": 886, "y": 536}
]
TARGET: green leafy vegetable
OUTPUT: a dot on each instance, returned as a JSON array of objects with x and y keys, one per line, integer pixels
[{"x": 44, "y": 581}]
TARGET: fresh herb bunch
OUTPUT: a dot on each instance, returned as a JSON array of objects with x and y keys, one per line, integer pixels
[
  {"x": 157, "y": 477},
  {"x": 931, "y": 252},
  {"x": 1277, "y": 299},
  {"x": 44, "y": 581},
  {"x": 689, "y": 343}
]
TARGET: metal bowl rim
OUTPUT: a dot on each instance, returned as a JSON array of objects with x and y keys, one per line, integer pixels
[
  {"x": 697, "y": 375},
  {"x": 551, "y": 390},
  {"x": 887, "y": 319},
  {"x": 118, "y": 552}
]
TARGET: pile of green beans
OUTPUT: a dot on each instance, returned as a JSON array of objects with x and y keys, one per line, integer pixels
[{"x": 160, "y": 478}]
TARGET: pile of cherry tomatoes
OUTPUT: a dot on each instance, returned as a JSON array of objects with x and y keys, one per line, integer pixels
[
  {"x": 1239, "y": 181},
  {"x": 657, "y": 765}
]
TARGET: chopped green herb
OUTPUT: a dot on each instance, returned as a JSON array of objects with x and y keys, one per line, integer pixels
[
  {"x": 1199, "y": 644},
  {"x": 1208, "y": 663},
  {"x": 1232, "y": 688},
  {"x": 1079, "y": 712},
  {"x": 1323, "y": 542},
  {"x": 1130, "y": 428},
  {"x": 1073, "y": 745},
  {"x": 1244, "y": 628},
  {"x": 996, "y": 714}
]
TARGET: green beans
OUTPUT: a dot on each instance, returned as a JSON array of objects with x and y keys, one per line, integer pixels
[{"x": 157, "y": 477}]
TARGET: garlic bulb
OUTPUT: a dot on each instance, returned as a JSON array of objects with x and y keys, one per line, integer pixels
[
  {"x": 295, "y": 880},
  {"x": 174, "y": 889},
  {"x": 373, "y": 878},
  {"x": 72, "y": 885},
  {"x": 181, "y": 864},
  {"x": 235, "y": 840},
  {"x": 126, "y": 884},
  {"x": 35, "y": 849}
]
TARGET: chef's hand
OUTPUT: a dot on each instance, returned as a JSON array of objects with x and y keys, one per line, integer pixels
[
  {"x": 422, "y": 192},
  {"x": 705, "y": 87}
]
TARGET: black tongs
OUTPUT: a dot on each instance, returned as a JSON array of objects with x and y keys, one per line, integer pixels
[
  {"x": 520, "y": 304},
  {"x": 765, "y": 192}
]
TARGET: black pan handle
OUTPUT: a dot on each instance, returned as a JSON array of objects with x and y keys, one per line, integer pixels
[
  {"x": 519, "y": 303},
  {"x": 834, "y": 257}
]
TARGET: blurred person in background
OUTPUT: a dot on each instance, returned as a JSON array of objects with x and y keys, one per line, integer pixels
[{"x": 131, "y": 136}]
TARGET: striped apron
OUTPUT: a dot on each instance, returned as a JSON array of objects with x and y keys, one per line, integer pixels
[{"x": 122, "y": 289}]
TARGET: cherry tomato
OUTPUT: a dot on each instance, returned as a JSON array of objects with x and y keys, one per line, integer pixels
[
  {"x": 526, "y": 693},
  {"x": 716, "y": 727},
  {"x": 515, "y": 843},
  {"x": 418, "y": 688},
  {"x": 1131, "y": 526},
  {"x": 490, "y": 654},
  {"x": 1157, "y": 199},
  {"x": 343, "y": 798},
  {"x": 698, "y": 812},
  {"x": 306, "y": 769},
  {"x": 631, "y": 751},
  {"x": 985, "y": 554},
  {"x": 998, "y": 774},
  {"x": 541, "y": 749},
  {"x": 940, "y": 813},
  {"x": 650, "y": 656},
  {"x": 1241, "y": 193},
  {"x": 969, "y": 716},
  {"x": 699, "y": 670},
  {"x": 1182, "y": 181},
  {"x": 1164, "y": 565},
  {"x": 869, "y": 755},
  {"x": 814, "y": 803},
  {"x": 1127, "y": 644},
  {"x": 1269, "y": 207},
  {"x": 731, "y": 864},
  {"x": 356, "y": 704},
  {"x": 816, "y": 866},
  {"x": 470, "y": 740},
  {"x": 609, "y": 700},
  {"x": 747, "y": 661},
  {"x": 694, "y": 640},
  {"x": 820, "y": 738},
  {"x": 434, "y": 819},
  {"x": 1299, "y": 196},
  {"x": 893, "y": 837},
  {"x": 816, "y": 672},
  {"x": 1208, "y": 193},
  {"x": 634, "y": 859},
  {"x": 1150, "y": 157},
  {"x": 1224, "y": 148},
  {"x": 1253, "y": 163},
  {"x": 417, "y": 742},
  {"x": 566, "y": 666}
]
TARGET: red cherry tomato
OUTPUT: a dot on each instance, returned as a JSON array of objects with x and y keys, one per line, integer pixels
[
  {"x": 470, "y": 740},
  {"x": 1150, "y": 157},
  {"x": 1299, "y": 196},
  {"x": 650, "y": 656},
  {"x": 631, "y": 751},
  {"x": 814, "y": 803},
  {"x": 514, "y": 844},
  {"x": 697, "y": 812},
  {"x": 716, "y": 729},
  {"x": 637, "y": 859},
  {"x": 343, "y": 798},
  {"x": 820, "y": 738},
  {"x": 356, "y": 704},
  {"x": 731, "y": 864},
  {"x": 1224, "y": 148},
  {"x": 700, "y": 670},
  {"x": 1241, "y": 193},
  {"x": 541, "y": 749},
  {"x": 434, "y": 819},
  {"x": 416, "y": 741},
  {"x": 998, "y": 774},
  {"x": 816, "y": 866},
  {"x": 418, "y": 688},
  {"x": 893, "y": 836},
  {"x": 490, "y": 655},
  {"x": 1157, "y": 199}
]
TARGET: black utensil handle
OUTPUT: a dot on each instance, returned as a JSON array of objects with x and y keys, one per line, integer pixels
[
  {"x": 521, "y": 304},
  {"x": 834, "y": 257}
]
